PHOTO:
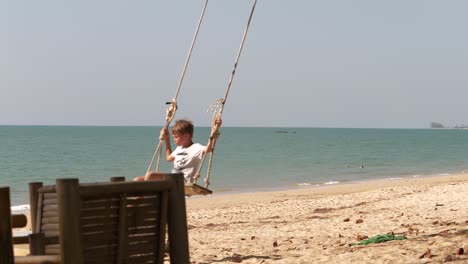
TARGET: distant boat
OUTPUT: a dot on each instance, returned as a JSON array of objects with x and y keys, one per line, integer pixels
[{"x": 281, "y": 131}]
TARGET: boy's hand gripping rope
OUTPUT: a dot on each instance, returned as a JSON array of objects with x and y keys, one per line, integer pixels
[
  {"x": 171, "y": 110},
  {"x": 170, "y": 114},
  {"x": 218, "y": 106},
  {"x": 216, "y": 109}
]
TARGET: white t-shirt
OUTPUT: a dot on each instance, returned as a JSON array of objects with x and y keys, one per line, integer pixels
[{"x": 187, "y": 160}]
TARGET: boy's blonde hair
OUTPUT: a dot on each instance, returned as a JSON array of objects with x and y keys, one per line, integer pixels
[{"x": 182, "y": 127}]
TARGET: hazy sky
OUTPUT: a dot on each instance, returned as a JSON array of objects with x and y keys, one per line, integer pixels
[{"x": 388, "y": 64}]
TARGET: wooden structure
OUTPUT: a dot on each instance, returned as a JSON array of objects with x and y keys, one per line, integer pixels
[
  {"x": 113, "y": 222},
  {"x": 6, "y": 240},
  {"x": 195, "y": 189}
]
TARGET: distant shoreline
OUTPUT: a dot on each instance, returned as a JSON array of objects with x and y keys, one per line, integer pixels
[{"x": 362, "y": 185}]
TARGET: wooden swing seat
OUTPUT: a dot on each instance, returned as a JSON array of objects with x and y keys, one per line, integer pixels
[{"x": 195, "y": 189}]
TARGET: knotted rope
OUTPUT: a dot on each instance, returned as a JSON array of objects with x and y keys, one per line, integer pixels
[
  {"x": 172, "y": 108},
  {"x": 217, "y": 108}
]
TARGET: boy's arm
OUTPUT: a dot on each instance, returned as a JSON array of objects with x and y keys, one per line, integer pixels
[
  {"x": 169, "y": 157},
  {"x": 216, "y": 124}
]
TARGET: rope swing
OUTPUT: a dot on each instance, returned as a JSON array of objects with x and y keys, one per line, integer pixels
[
  {"x": 172, "y": 105},
  {"x": 217, "y": 109}
]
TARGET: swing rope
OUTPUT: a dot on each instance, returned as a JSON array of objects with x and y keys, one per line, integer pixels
[
  {"x": 217, "y": 108},
  {"x": 172, "y": 108}
]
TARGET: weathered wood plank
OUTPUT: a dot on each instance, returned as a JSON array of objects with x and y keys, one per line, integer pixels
[
  {"x": 177, "y": 222},
  {"x": 6, "y": 242},
  {"x": 38, "y": 259},
  {"x": 195, "y": 189},
  {"x": 69, "y": 203},
  {"x": 33, "y": 203}
]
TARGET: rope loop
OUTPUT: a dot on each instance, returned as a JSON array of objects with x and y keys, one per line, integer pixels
[
  {"x": 215, "y": 128},
  {"x": 171, "y": 110},
  {"x": 216, "y": 106}
]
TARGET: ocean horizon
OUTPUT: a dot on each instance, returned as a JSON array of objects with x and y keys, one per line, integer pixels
[{"x": 246, "y": 158}]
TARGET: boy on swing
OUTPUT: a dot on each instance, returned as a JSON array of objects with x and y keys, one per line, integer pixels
[{"x": 187, "y": 155}]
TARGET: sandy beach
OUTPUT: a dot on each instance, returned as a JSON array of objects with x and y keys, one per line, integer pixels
[
  {"x": 317, "y": 225},
  {"x": 320, "y": 224}
]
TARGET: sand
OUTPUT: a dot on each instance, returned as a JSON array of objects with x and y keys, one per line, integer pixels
[{"x": 318, "y": 224}]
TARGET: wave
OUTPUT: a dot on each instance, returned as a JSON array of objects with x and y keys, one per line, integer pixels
[
  {"x": 19, "y": 208},
  {"x": 331, "y": 182},
  {"x": 307, "y": 184}
]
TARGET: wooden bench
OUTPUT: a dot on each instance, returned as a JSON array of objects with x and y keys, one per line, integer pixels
[{"x": 121, "y": 222}]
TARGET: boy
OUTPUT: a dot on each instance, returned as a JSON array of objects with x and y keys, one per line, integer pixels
[{"x": 187, "y": 156}]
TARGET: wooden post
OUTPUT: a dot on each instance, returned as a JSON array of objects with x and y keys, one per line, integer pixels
[
  {"x": 6, "y": 242},
  {"x": 18, "y": 221},
  {"x": 122, "y": 255},
  {"x": 177, "y": 222},
  {"x": 36, "y": 244},
  {"x": 68, "y": 198},
  {"x": 117, "y": 179},
  {"x": 33, "y": 203},
  {"x": 162, "y": 229}
]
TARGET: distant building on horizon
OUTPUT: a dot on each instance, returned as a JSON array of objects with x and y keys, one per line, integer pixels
[
  {"x": 462, "y": 126},
  {"x": 439, "y": 125},
  {"x": 436, "y": 125}
]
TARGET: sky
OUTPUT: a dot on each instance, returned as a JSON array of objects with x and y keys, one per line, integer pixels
[{"x": 305, "y": 63}]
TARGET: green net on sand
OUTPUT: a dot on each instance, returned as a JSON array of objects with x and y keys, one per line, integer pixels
[{"x": 379, "y": 239}]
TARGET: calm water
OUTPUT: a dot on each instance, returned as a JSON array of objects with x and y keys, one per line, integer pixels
[{"x": 246, "y": 159}]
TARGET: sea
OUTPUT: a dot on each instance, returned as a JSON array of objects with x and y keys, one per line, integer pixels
[{"x": 246, "y": 159}]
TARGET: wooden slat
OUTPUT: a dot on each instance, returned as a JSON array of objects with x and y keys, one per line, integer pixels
[
  {"x": 195, "y": 189},
  {"x": 52, "y": 249},
  {"x": 50, "y": 202},
  {"x": 100, "y": 259},
  {"x": 98, "y": 213},
  {"x": 49, "y": 214},
  {"x": 39, "y": 214},
  {"x": 137, "y": 223},
  {"x": 144, "y": 237},
  {"x": 20, "y": 240},
  {"x": 142, "y": 212},
  {"x": 96, "y": 228},
  {"x": 50, "y": 220},
  {"x": 33, "y": 203},
  {"x": 37, "y": 259},
  {"x": 49, "y": 207},
  {"x": 137, "y": 259},
  {"x": 50, "y": 227},
  {"x": 89, "y": 221},
  {"x": 117, "y": 179},
  {"x": 142, "y": 248},
  {"x": 47, "y": 189},
  {"x": 104, "y": 241},
  {"x": 50, "y": 233},
  {"x": 141, "y": 230},
  {"x": 99, "y": 203},
  {"x": 107, "y": 190}
]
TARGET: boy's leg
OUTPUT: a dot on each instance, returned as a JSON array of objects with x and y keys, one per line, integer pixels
[
  {"x": 150, "y": 176},
  {"x": 139, "y": 178}
]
